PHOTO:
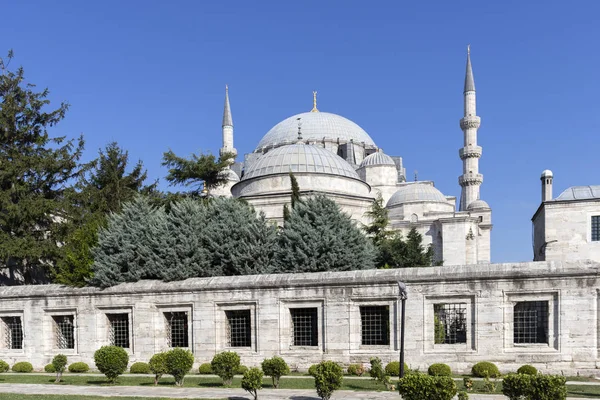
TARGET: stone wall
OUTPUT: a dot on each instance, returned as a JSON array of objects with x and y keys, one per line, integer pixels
[{"x": 488, "y": 297}]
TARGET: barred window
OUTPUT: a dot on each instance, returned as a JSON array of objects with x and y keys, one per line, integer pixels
[
  {"x": 177, "y": 329},
  {"x": 64, "y": 331},
  {"x": 119, "y": 330},
  {"x": 596, "y": 228},
  {"x": 239, "y": 330},
  {"x": 304, "y": 326},
  {"x": 375, "y": 325},
  {"x": 450, "y": 323},
  {"x": 13, "y": 332},
  {"x": 531, "y": 322}
]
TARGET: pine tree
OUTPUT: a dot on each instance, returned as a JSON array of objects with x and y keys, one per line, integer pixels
[
  {"x": 295, "y": 190},
  {"x": 394, "y": 252},
  {"x": 319, "y": 237},
  {"x": 380, "y": 220},
  {"x": 35, "y": 172},
  {"x": 199, "y": 171}
]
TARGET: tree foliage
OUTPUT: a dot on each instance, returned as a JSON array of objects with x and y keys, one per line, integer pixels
[
  {"x": 379, "y": 216},
  {"x": 395, "y": 252},
  {"x": 35, "y": 171},
  {"x": 318, "y": 236},
  {"x": 198, "y": 171}
]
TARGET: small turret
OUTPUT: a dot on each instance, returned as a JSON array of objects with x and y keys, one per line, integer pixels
[
  {"x": 546, "y": 178},
  {"x": 227, "y": 127}
]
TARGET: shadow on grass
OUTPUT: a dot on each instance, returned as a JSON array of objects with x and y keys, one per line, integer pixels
[
  {"x": 159, "y": 384},
  {"x": 213, "y": 385},
  {"x": 304, "y": 398}
]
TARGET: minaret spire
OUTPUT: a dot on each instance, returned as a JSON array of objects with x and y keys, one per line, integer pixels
[
  {"x": 314, "y": 109},
  {"x": 471, "y": 180},
  {"x": 227, "y": 127}
]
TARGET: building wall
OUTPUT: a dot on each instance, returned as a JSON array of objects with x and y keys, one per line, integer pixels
[{"x": 486, "y": 294}]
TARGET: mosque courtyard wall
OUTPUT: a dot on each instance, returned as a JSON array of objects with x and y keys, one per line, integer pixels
[{"x": 540, "y": 313}]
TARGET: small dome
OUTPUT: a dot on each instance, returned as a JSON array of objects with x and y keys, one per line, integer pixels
[
  {"x": 316, "y": 126},
  {"x": 478, "y": 205},
  {"x": 416, "y": 192},
  {"x": 299, "y": 158},
  {"x": 377, "y": 158},
  {"x": 546, "y": 173},
  {"x": 231, "y": 175},
  {"x": 580, "y": 193}
]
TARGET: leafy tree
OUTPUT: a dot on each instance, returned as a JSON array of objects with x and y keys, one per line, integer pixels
[
  {"x": 394, "y": 252},
  {"x": 319, "y": 237},
  {"x": 198, "y": 171},
  {"x": 328, "y": 378},
  {"x": 35, "y": 172},
  {"x": 129, "y": 248},
  {"x": 158, "y": 366},
  {"x": 380, "y": 220},
  {"x": 59, "y": 363},
  {"x": 275, "y": 367},
  {"x": 111, "y": 361},
  {"x": 225, "y": 365},
  {"x": 252, "y": 381},
  {"x": 179, "y": 363}
]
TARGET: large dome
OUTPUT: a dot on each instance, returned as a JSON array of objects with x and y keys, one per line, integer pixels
[
  {"x": 299, "y": 158},
  {"x": 316, "y": 126},
  {"x": 416, "y": 192}
]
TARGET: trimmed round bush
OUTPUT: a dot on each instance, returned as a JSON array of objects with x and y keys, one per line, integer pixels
[
  {"x": 312, "y": 369},
  {"x": 179, "y": 363},
  {"x": 393, "y": 368},
  {"x": 275, "y": 367},
  {"x": 328, "y": 378},
  {"x": 225, "y": 365},
  {"x": 439, "y": 369},
  {"x": 22, "y": 366},
  {"x": 527, "y": 370},
  {"x": 485, "y": 368},
  {"x": 158, "y": 366},
  {"x": 421, "y": 387},
  {"x": 205, "y": 369},
  {"x": 356, "y": 369},
  {"x": 79, "y": 368},
  {"x": 3, "y": 366},
  {"x": 49, "y": 368},
  {"x": 139, "y": 368},
  {"x": 241, "y": 370},
  {"x": 111, "y": 361},
  {"x": 252, "y": 381}
]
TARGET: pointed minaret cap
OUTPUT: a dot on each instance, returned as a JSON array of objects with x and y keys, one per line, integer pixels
[
  {"x": 314, "y": 109},
  {"x": 469, "y": 81},
  {"x": 227, "y": 120}
]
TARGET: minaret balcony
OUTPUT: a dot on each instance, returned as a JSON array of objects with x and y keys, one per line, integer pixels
[
  {"x": 470, "y": 152},
  {"x": 469, "y": 179},
  {"x": 470, "y": 122}
]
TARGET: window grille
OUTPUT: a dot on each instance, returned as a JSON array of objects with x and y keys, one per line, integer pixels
[
  {"x": 64, "y": 331},
  {"x": 531, "y": 322},
  {"x": 13, "y": 332},
  {"x": 238, "y": 328},
  {"x": 375, "y": 325},
  {"x": 596, "y": 228},
  {"x": 304, "y": 327},
  {"x": 177, "y": 329},
  {"x": 119, "y": 330},
  {"x": 450, "y": 323}
]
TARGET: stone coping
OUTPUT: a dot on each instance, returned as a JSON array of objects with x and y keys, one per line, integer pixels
[{"x": 456, "y": 273}]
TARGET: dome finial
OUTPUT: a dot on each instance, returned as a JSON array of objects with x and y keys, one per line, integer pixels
[{"x": 314, "y": 109}]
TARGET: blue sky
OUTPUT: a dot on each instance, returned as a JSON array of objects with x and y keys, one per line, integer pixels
[{"x": 151, "y": 75}]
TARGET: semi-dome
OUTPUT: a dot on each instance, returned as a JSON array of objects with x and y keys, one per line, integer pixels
[
  {"x": 316, "y": 126},
  {"x": 377, "y": 158},
  {"x": 231, "y": 175},
  {"x": 416, "y": 192},
  {"x": 299, "y": 158},
  {"x": 478, "y": 205}
]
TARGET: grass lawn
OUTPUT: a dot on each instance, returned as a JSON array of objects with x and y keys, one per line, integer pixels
[{"x": 18, "y": 396}]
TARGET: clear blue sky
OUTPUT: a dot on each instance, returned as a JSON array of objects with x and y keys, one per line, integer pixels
[{"x": 151, "y": 75}]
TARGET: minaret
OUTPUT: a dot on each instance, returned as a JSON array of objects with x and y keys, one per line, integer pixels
[
  {"x": 471, "y": 179},
  {"x": 227, "y": 127}
]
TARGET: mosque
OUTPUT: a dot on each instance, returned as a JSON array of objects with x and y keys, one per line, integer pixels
[{"x": 331, "y": 155}]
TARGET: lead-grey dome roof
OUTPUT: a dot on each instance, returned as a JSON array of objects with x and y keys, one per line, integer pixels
[
  {"x": 316, "y": 126},
  {"x": 230, "y": 175},
  {"x": 580, "y": 193},
  {"x": 416, "y": 192},
  {"x": 478, "y": 205},
  {"x": 299, "y": 158},
  {"x": 377, "y": 158}
]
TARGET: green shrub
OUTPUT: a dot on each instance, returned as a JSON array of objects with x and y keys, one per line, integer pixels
[
  {"x": 139, "y": 368},
  {"x": 548, "y": 387},
  {"x": 439, "y": 369},
  {"x": 59, "y": 363},
  {"x": 205, "y": 369},
  {"x": 527, "y": 370},
  {"x": 79, "y": 367},
  {"x": 312, "y": 370},
  {"x": 111, "y": 361},
  {"x": 421, "y": 386},
  {"x": 356, "y": 369},
  {"x": 22, "y": 366},
  {"x": 225, "y": 365},
  {"x": 49, "y": 368},
  {"x": 379, "y": 374},
  {"x": 179, "y": 363},
  {"x": 328, "y": 378},
  {"x": 275, "y": 367},
  {"x": 516, "y": 386},
  {"x": 393, "y": 368},
  {"x": 468, "y": 383},
  {"x": 252, "y": 381},
  {"x": 484, "y": 368},
  {"x": 462, "y": 395},
  {"x": 241, "y": 370},
  {"x": 489, "y": 386},
  {"x": 158, "y": 366},
  {"x": 3, "y": 366}
]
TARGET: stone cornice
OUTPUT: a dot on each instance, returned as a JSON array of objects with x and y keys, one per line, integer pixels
[{"x": 470, "y": 152}]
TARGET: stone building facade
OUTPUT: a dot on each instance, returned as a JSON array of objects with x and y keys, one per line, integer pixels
[{"x": 543, "y": 313}]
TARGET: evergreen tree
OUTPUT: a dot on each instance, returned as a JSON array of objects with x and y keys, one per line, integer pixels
[
  {"x": 318, "y": 237},
  {"x": 295, "y": 190},
  {"x": 380, "y": 220},
  {"x": 131, "y": 247},
  {"x": 35, "y": 172},
  {"x": 394, "y": 252},
  {"x": 198, "y": 171}
]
